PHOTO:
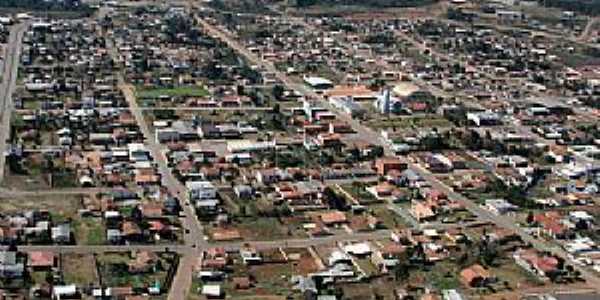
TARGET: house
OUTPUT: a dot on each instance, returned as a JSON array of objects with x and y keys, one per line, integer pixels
[
  {"x": 241, "y": 283},
  {"x": 113, "y": 236},
  {"x": 338, "y": 257},
  {"x": 439, "y": 163},
  {"x": 552, "y": 224},
  {"x": 509, "y": 15},
  {"x": 201, "y": 190},
  {"x": 499, "y": 206},
  {"x": 61, "y": 234},
  {"x": 225, "y": 234},
  {"x": 41, "y": 260},
  {"x": 10, "y": 267},
  {"x": 318, "y": 83},
  {"x": 358, "y": 249},
  {"x": 130, "y": 231},
  {"x": 243, "y": 191},
  {"x": 451, "y": 294},
  {"x": 422, "y": 211},
  {"x": 385, "y": 164},
  {"x": 580, "y": 216},
  {"x": 145, "y": 261},
  {"x": 484, "y": 118},
  {"x": 152, "y": 210},
  {"x": 388, "y": 256},
  {"x": 250, "y": 256},
  {"x": 475, "y": 276},
  {"x": 532, "y": 261},
  {"x": 333, "y": 218},
  {"x": 212, "y": 291},
  {"x": 64, "y": 291},
  {"x": 138, "y": 152},
  {"x": 268, "y": 176}
]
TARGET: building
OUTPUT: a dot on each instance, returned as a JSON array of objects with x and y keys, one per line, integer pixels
[
  {"x": 386, "y": 103},
  {"x": 61, "y": 233},
  {"x": 499, "y": 206},
  {"x": 318, "y": 83},
  {"x": 201, "y": 190},
  {"x": 10, "y": 267},
  {"x": 439, "y": 163},
  {"x": 484, "y": 118},
  {"x": 385, "y": 164},
  {"x": 475, "y": 276}
]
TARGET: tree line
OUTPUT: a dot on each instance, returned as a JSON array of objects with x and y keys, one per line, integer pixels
[
  {"x": 68, "y": 5},
  {"x": 584, "y": 6}
]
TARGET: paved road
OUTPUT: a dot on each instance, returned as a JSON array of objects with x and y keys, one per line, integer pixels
[{"x": 7, "y": 87}]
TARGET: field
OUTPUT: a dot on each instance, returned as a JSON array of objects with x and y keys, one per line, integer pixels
[
  {"x": 359, "y": 291},
  {"x": 79, "y": 269},
  {"x": 272, "y": 278},
  {"x": 89, "y": 231},
  {"x": 265, "y": 228},
  {"x": 183, "y": 91},
  {"x": 60, "y": 206}
]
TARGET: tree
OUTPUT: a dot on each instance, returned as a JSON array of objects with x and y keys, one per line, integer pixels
[
  {"x": 334, "y": 200},
  {"x": 530, "y": 218},
  {"x": 488, "y": 252},
  {"x": 377, "y": 151},
  {"x": 401, "y": 271},
  {"x": 278, "y": 91}
]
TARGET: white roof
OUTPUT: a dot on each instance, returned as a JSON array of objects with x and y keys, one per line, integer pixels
[
  {"x": 580, "y": 214},
  {"x": 111, "y": 214},
  {"x": 191, "y": 185},
  {"x": 358, "y": 249},
  {"x": 136, "y": 147},
  {"x": 317, "y": 80},
  {"x": 211, "y": 290},
  {"x": 70, "y": 289},
  {"x": 248, "y": 145}
]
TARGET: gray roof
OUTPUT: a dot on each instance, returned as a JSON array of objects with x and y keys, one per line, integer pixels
[{"x": 8, "y": 257}]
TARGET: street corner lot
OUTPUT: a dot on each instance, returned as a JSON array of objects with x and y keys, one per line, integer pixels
[{"x": 116, "y": 269}]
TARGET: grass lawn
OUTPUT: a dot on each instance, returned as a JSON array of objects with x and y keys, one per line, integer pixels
[
  {"x": 182, "y": 91},
  {"x": 89, "y": 231},
  {"x": 59, "y": 206},
  {"x": 367, "y": 267},
  {"x": 38, "y": 277},
  {"x": 273, "y": 279},
  {"x": 389, "y": 218},
  {"x": 359, "y": 192},
  {"x": 442, "y": 276}
]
